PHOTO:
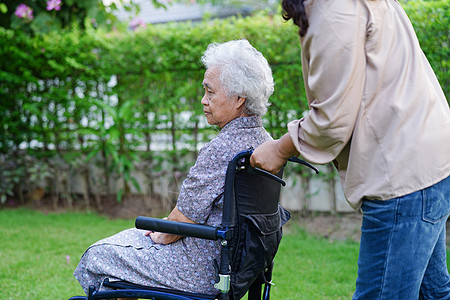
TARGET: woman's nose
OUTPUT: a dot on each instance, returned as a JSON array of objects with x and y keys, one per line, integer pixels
[{"x": 204, "y": 100}]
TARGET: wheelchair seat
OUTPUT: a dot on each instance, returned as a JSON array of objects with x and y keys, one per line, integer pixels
[
  {"x": 131, "y": 286},
  {"x": 249, "y": 236}
]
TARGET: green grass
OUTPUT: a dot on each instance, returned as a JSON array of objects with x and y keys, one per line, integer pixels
[
  {"x": 308, "y": 267},
  {"x": 38, "y": 253},
  {"x": 34, "y": 251}
]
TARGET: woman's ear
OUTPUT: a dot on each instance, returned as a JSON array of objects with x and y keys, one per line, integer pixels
[{"x": 241, "y": 101}]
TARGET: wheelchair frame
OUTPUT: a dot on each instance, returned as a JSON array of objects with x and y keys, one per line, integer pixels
[{"x": 225, "y": 233}]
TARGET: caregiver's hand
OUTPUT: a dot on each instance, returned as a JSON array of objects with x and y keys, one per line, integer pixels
[{"x": 272, "y": 155}]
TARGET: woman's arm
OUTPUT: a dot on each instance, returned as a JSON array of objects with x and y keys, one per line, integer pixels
[
  {"x": 166, "y": 238},
  {"x": 334, "y": 65}
]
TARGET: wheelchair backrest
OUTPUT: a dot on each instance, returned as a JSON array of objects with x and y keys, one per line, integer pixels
[{"x": 256, "y": 218}]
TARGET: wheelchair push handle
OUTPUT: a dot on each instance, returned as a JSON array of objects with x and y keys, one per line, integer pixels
[
  {"x": 302, "y": 162},
  {"x": 245, "y": 155}
]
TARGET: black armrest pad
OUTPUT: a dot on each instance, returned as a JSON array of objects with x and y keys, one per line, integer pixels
[{"x": 178, "y": 228}]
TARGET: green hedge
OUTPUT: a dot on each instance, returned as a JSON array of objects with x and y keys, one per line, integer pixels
[
  {"x": 431, "y": 21},
  {"x": 50, "y": 83},
  {"x": 80, "y": 97}
]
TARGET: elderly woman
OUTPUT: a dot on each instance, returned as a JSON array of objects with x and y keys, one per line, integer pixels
[{"x": 238, "y": 82}]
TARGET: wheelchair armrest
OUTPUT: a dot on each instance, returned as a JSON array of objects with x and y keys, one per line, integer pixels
[{"x": 181, "y": 228}]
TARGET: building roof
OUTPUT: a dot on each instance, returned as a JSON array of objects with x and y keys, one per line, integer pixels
[{"x": 177, "y": 12}]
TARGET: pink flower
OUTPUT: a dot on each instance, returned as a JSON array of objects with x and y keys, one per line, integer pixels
[
  {"x": 136, "y": 23},
  {"x": 24, "y": 11},
  {"x": 54, "y": 4}
]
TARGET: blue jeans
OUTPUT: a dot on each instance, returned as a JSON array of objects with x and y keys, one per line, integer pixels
[{"x": 402, "y": 253}]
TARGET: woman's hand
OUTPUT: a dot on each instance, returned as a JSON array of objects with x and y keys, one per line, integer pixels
[
  {"x": 272, "y": 155},
  {"x": 163, "y": 238},
  {"x": 166, "y": 238},
  {"x": 266, "y": 157}
]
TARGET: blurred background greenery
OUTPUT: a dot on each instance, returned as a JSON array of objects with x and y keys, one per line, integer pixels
[{"x": 83, "y": 91}]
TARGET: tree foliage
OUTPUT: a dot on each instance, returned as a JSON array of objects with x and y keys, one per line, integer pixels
[{"x": 43, "y": 16}]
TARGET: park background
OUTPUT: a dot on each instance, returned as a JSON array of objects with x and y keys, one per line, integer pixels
[{"x": 102, "y": 117}]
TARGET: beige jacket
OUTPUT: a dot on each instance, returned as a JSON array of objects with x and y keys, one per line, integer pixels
[{"x": 376, "y": 107}]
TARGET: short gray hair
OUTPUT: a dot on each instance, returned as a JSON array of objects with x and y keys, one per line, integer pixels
[{"x": 243, "y": 72}]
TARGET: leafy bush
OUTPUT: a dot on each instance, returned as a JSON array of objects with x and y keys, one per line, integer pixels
[
  {"x": 114, "y": 98},
  {"x": 431, "y": 23}
]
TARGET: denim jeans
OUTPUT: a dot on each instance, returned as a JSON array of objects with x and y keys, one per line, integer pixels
[{"x": 402, "y": 253}]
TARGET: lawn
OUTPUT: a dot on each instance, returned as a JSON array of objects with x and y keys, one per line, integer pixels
[{"x": 39, "y": 252}]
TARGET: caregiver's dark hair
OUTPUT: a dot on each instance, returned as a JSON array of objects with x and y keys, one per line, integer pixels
[{"x": 295, "y": 10}]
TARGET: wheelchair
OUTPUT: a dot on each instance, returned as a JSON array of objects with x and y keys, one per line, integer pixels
[{"x": 249, "y": 236}]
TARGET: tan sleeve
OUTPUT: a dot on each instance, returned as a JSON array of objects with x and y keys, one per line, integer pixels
[{"x": 333, "y": 62}]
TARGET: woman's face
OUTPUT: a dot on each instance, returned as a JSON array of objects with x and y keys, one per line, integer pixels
[{"x": 218, "y": 108}]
